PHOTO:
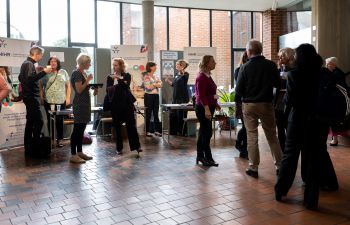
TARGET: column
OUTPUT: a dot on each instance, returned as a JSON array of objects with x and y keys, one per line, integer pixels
[
  {"x": 331, "y": 30},
  {"x": 148, "y": 26}
]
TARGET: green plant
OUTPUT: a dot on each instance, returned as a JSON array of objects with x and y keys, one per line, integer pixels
[{"x": 225, "y": 96}]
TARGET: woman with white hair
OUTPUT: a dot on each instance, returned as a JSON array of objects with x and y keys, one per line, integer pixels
[
  {"x": 81, "y": 107},
  {"x": 338, "y": 78}
]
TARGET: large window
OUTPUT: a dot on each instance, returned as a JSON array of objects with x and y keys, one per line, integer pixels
[
  {"x": 178, "y": 30},
  {"x": 82, "y": 21},
  {"x": 200, "y": 28},
  {"x": 222, "y": 41},
  {"x": 241, "y": 27},
  {"x": 108, "y": 24},
  {"x": 257, "y": 26},
  {"x": 132, "y": 24},
  {"x": 3, "y": 20},
  {"x": 54, "y": 29},
  {"x": 160, "y": 32},
  {"x": 24, "y": 19}
]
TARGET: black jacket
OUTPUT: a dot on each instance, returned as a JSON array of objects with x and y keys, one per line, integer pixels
[
  {"x": 126, "y": 79},
  {"x": 256, "y": 80},
  {"x": 180, "y": 93},
  {"x": 29, "y": 79}
]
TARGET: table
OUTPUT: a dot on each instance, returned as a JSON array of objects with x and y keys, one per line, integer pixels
[
  {"x": 167, "y": 108},
  {"x": 64, "y": 112}
]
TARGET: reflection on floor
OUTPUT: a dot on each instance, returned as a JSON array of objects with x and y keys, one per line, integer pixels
[{"x": 163, "y": 187}]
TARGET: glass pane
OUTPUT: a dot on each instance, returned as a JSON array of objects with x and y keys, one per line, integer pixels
[
  {"x": 82, "y": 21},
  {"x": 108, "y": 24},
  {"x": 241, "y": 27},
  {"x": 160, "y": 32},
  {"x": 132, "y": 24},
  {"x": 24, "y": 19},
  {"x": 237, "y": 55},
  {"x": 178, "y": 30},
  {"x": 3, "y": 19},
  {"x": 257, "y": 26},
  {"x": 200, "y": 28},
  {"x": 222, "y": 41},
  {"x": 54, "y": 31}
]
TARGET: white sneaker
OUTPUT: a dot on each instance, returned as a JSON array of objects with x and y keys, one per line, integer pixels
[
  {"x": 158, "y": 134},
  {"x": 76, "y": 159},
  {"x": 84, "y": 156}
]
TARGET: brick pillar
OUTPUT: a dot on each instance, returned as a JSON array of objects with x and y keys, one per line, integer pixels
[{"x": 274, "y": 25}]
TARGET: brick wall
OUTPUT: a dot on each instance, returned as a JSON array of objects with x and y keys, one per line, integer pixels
[{"x": 274, "y": 25}]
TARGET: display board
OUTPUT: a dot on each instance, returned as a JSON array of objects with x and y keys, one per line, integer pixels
[
  {"x": 168, "y": 68},
  {"x": 193, "y": 56},
  {"x": 136, "y": 57},
  {"x": 13, "y": 51},
  {"x": 13, "y": 121}
]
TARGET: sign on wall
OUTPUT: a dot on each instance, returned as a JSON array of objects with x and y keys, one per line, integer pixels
[
  {"x": 193, "y": 56},
  {"x": 136, "y": 57},
  {"x": 13, "y": 121},
  {"x": 13, "y": 52}
]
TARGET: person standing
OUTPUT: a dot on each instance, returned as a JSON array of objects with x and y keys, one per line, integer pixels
[
  {"x": 180, "y": 92},
  {"x": 241, "y": 141},
  {"x": 29, "y": 78},
  {"x": 206, "y": 103},
  {"x": 256, "y": 80},
  {"x": 81, "y": 107},
  {"x": 152, "y": 84},
  {"x": 122, "y": 105},
  {"x": 55, "y": 90},
  {"x": 306, "y": 131}
]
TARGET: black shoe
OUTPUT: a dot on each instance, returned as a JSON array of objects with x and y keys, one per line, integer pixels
[
  {"x": 119, "y": 152},
  {"x": 329, "y": 188},
  {"x": 213, "y": 163},
  {"x": 203, "y": 161},
  {"x": 252, "y": 173},
  {"x": 311, "y": 206},
  {"x": 243, "y": 155}
]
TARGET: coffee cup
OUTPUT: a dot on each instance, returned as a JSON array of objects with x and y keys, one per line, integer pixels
[
  {"x": 58, "y": 107},
  {"x": 52, "y": 107}
]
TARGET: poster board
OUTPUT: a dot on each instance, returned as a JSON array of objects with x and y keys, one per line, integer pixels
[
  {"x": 193, "y": 56},
  {"x": 136, "y": 58},
  {"x": 13, "y": 121},
  {"x": 14, "y": 51},
  {"x": 168, "y": 68}
]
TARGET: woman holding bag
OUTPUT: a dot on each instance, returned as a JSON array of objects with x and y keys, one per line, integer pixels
[{"x": 55, "y": 91}]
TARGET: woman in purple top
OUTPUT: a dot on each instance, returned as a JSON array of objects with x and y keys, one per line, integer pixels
[{"x": 206, "y": 103}]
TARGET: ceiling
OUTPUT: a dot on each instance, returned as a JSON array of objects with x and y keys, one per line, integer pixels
[{"x": 240, "y": 5}]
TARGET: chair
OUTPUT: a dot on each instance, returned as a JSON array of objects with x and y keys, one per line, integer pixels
[{"x": 106, "y": 118}]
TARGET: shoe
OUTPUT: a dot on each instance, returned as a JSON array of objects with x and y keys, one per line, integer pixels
[
  {"x": 212, "y": 162},
  {"x": 311, "y": 206},
  {"x": 329, "y": 188},
  {"x": 252, "y": 173},
  {"x": 148, "y": 134},
  {"x": 84, "y": 156},
  {"x": 76, "y": 159},
  {"x": 203, "y": 161},
  {"x": 243, "y": 155},
  {"x": 119, "y": 152},
  {"x": 158, "y": 134},
  {"x": 333, "y": 144},
  {"x": 59, "y": 145},
  {"x": 280, "y": 197}
]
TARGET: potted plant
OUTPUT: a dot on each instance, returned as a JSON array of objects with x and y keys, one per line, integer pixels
[{"x": 229, "y": 112}]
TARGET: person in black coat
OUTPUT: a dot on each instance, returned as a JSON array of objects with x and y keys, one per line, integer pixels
[
  {"x": 122, "y": 107},
  {"x": 180, "y": 92},
  {"x": 241, "y": 141},
  {"x": 305, "y": 132}
]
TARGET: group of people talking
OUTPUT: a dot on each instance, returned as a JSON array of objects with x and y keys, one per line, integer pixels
[{"x": 282, "y": 97}]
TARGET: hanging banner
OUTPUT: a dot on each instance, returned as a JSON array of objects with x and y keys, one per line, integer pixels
[
  {"x": 13, "y": 51},
  {"x": 136, "y": 58},
  {"x": 13, "y": 121},
  {"x": 193, "y": 56}
]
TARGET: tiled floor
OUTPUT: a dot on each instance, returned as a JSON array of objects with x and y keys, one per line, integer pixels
[{"x": 163, "y": 187}]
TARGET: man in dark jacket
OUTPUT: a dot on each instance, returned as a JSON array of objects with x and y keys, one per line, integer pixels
[
  {"x": 29, "y": 78},
  {"x": 256, "y": 80}
]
